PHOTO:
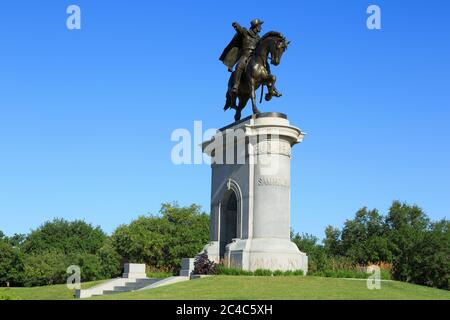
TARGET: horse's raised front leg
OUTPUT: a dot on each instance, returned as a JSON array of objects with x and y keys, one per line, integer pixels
[{"x": 273, "y": 92}]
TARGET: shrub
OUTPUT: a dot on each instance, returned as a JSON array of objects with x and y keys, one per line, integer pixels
[
  {"x": 222, "y": 270},
  {"x": 297, "y": 272},
  {"x": 203, "y": 266},
  {"x": 262, "y": 272},
  {"x": 159, "y": 274},
  {"x": 330, "y": 274},
  {"x": 278, "y": 273},
  {"x": 384, "y": 274}
]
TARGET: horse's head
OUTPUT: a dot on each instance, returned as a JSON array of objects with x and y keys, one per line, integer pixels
[
  {"x": 275, "y": 44},
  {"x": 277, "y": 48}
]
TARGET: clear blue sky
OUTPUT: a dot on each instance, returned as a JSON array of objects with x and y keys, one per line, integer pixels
[{"x": 86, "y": 116}]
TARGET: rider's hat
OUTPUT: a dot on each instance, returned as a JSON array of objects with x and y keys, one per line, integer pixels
[{"x": 256, "y": 22}]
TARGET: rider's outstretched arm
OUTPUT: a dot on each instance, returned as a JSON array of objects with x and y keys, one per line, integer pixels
[{"x": 238, "y": 28}]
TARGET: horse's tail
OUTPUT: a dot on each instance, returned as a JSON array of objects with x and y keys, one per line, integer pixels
[
  {"x": 262, "y": 93},
  {"x": 228, "y": 101},
  {"x": 229, "y": 98}
]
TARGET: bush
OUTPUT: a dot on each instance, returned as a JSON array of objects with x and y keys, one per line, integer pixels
[
  {"x": 203, "y": 266},
  {"x": 159, "y": 274},
  {"x": 278, "y": 273},
  {"x": 354, "y": 274},
  {"x": 222, "y": 270},
  {"x": 297, "y": 273},
  {"x": 263, "y": 272}
]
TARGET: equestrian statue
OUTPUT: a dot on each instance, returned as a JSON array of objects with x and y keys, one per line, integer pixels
[{"x": 251, "y": 53}]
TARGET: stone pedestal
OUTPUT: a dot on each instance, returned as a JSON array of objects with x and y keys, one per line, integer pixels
[
  {"x": 134, "y": 271},
  {"x": 187, "y": 267},
  {"x": 250, "y": 194}
]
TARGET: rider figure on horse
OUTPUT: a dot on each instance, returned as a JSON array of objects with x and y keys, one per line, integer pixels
[{"x": 241, "y": 49}]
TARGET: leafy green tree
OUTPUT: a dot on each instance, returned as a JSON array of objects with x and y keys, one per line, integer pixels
[
  {"x": 431, "y": 263},
  {"x": 142, "y": 241},
  {"x": 364, "y": 238},
  {"x": 406, "y": 227},
  {"x": 110, "y": 261},
  {"x": 45, "y": 268},
  {"x": 332, "y": 241},
  {"x": 317, "y": 257},
  {"x": 16, "y": 240},
  {"x": 421, "y": 249},
  {"x": 49, "y": 250},
  {"x": 161, "y": 241},
  {"x": 188, "y": 232},
  {"x": 66, "y": 237},
  {"x": 11, "y": 265}
]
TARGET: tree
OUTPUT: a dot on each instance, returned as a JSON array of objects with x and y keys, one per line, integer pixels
[
  {"x": 11, "y": 265},
  {"x": 16, "y": 240},
  {"x": 317, "y": 257},
  {"x": 110, "y": 261},
  {"x": 421, "y": 249},
  {"x": 188, "y": 232},
  {"x": 431, "y": 263},
  {"x": 364, "y": 238},
  {"x": 162, "y": 241},
  {"x": 66, "y": 237},
  {"x": 142, "y": 241},
  {"x": 332, "y": 241},
  {"x": 45, "y": 268},
  {"x": 49, "y": 250},
  {"x": 406, "y": 227}
]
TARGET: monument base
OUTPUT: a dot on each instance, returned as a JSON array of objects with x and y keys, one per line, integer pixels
[
  {"x": 251, "y": 194},
  {"x": 260, "y": 253}
]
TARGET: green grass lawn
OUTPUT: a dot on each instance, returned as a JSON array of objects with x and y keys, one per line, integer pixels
[
  {"x": 242, "y": 287},
  {"x": 57, "y": 292}
]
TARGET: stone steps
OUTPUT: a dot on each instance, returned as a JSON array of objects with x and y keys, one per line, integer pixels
[{"x": 130, "y": 286}]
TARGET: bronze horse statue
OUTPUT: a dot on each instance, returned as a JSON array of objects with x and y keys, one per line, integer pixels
[{"x": 257, "y": 73}]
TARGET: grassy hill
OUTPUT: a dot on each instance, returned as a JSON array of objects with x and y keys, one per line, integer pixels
[
  {"x": 232, "y": 287},
  {"x": 57, "y": 292}
]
